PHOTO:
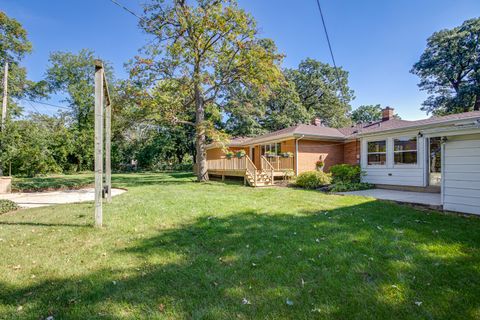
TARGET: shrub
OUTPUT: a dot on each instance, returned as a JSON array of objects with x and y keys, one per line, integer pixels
[
  {"x": 7, "y": 206},
  {"x": 350, "y": 186},
  {"x": 313, "y": 179},
  {"x": 346, "y": 173}
]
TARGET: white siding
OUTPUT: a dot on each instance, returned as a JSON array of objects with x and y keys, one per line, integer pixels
[
  {"x": 461, "y": 171},
  {"x": 391, "y": 174}
]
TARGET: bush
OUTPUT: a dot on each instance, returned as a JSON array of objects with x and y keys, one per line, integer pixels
[
  {"x": 7, "y": 206},
  {"x": 346, "y": 173},
  {"x": 313, "y": 179},
  {"x": 350, "y": 186}
]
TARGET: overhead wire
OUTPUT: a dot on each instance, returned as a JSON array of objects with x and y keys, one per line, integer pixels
[{"x": 337, "y": 74}]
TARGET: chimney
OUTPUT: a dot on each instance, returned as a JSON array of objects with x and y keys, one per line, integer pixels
[
  {"x": 387, "y": 114},
  {"x": 317, "y": 122}
]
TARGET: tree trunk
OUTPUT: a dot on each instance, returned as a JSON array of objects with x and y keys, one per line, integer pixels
[
  {"x": 202, "y": 173},
  {"x": 476, "y": 107}
]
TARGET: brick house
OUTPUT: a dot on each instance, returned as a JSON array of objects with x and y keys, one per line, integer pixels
[{"x": 438, "y": 154}]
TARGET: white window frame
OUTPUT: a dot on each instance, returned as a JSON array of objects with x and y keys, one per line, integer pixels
[
  {"x": 368, "y": 153},
  {"x": 270, "y": 145},
  {"x": 405, "y": 165}
]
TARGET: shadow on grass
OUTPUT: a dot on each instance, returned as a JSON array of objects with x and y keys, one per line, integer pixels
[{"x": 373, "y": 260}]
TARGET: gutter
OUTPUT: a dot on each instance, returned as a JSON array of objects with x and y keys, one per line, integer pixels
[
  {"x": 420, "y": 126},
  {"x": 296, "y": 153}
]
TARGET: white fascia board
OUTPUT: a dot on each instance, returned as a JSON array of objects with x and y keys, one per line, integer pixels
[{"x": 455, "y": 122}]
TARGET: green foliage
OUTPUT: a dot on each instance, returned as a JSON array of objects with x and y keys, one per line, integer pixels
[
  {"x": 313, "y": 179},
  {"x": 13, "y": 39},
  {"x": 317, "y": 86},
  {"x": 7, "y": 206},
  {"x": 346, "y": 173},
  {"x": 367, "y": 113},
  {"x": 449, "y": 69},
  {"x": 240, "y": 153},
  {"x": 343, "y": 186},
  {"x": 200, "y": 48}
]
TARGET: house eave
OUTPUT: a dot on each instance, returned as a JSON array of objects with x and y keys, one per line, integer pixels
[{"x": 455, "y": 122}]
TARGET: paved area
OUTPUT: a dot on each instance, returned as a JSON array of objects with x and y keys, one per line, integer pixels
[
  {"x": 430, "y": 199},
  {"x": 50, "y": 198}
]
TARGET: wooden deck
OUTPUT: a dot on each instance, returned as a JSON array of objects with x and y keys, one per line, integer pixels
[{"x": 242, "y": 167}]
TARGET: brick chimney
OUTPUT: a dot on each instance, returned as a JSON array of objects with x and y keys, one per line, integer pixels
[
  {"x": 317, "y": 122},
  {"x": 387, "y": 114}
]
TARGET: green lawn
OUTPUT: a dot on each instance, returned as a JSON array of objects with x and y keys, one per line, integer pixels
[
  {"x": 53, "y": 182},
  {"x": 175, "y": 249}
]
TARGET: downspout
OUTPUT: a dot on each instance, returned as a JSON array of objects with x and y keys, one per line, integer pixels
[{"x": 296, "y": 154}]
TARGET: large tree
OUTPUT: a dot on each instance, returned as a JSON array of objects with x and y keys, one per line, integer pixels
[
  {"x": 449, "y": 69},
  {"x": 14, "y": 45},
  {"x": 367, "y": 113},
  {"x": 200, "y": 48},
  {"x": 323, "y": 91},
  {"x": 71, "y": 74}
]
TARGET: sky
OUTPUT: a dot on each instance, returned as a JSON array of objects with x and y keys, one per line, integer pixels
[{"x": 376, "y": 41}]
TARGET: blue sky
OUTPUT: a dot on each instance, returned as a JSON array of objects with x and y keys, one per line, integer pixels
[{"x": 377, "y": 41}]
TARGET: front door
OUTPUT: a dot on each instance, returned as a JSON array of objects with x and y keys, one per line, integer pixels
[
  {"x": 435, "y": 161},
  {"x": 252, "y": 154}
]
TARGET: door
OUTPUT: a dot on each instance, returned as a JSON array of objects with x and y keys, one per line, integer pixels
[{"x": 435, "y": 162}]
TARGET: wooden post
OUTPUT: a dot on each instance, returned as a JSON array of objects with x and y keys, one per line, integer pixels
[
  {"x": 98, "y": 142},
  {"x": 5, "y": 95},
  {"x": 108, "y": 143}
]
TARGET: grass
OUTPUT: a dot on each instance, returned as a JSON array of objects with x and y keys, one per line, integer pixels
[
  {"x": 175, "y": 249},
  {"x": 52, "y": 182}
]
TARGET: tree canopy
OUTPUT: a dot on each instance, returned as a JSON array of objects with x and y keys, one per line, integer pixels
[
  {"x": 449, "y": 69},
  {"x": 200, "y": 49},
  {"x": 321, "y": 92},
  {"x": 367, "y": 113}
]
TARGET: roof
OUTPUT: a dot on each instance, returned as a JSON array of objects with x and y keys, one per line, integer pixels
[
  {"x": 354, "y": 131},
  {"x": 395, "y": 124}
]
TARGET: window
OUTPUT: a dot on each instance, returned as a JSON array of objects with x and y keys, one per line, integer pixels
[
  {"x": 271, "y": 148},
  {"x": 405, "y": 150},
  {"x": 377, "y": 152}
]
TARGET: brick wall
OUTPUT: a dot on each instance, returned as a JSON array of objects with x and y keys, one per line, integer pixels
[
  {"x": 351, "y": 152},
  {"x": 310, "y": 151}
]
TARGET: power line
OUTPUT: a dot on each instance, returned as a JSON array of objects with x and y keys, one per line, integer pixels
[
  {"x": 129, "y": 11},
  {"x": 331, "y": 50},
  {"x": 47, "y": 104}
]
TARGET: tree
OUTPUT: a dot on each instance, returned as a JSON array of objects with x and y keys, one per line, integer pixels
[
  {"x": 199, "y": 50},
  {"x": 14, "y": 45},
  {"x": 367, "y": 113},
  {"x": 321, "y": 92},
  {"x": 449, "y": 70},
  {"x": 72, "y": 74}
]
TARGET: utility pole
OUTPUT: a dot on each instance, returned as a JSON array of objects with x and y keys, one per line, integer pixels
[
  {"x": 98, "y": 142},
  {"x": 4, "y": 107}
]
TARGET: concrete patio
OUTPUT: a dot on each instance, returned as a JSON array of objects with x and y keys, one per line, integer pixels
[
  {"x": 50, "y": 198},
  {"x": 421, "y": 198}
]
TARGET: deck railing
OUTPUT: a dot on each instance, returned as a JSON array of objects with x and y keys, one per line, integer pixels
[
  {"x": 267, "y": 166},
  {"x": 225, "y": 164},
  {"x": 280, "y": 163}
]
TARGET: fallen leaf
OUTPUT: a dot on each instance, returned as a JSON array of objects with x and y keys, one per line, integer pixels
[
  {"x": 161, "y": 307},
  {"x": 245, "y": 301},
  {"x": 418, "y": 303}
]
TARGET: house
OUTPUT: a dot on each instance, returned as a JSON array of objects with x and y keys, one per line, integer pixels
[{"x": 439, "y": 154}]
